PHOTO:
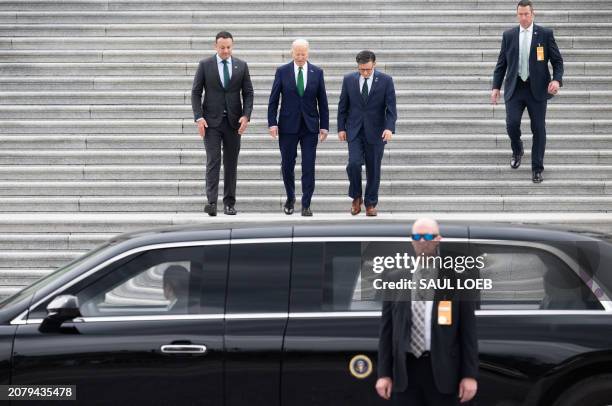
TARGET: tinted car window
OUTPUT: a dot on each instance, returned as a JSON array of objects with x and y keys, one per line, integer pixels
[
  {"x": 529, "y": 278},
  {"x": 328, "y": 277},
  {"x": 259, "y": 278},
  {"x": 184, "y": 280}
]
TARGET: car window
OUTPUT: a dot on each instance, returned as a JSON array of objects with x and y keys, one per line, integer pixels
[
  {"x": 169, "y": 281},
  {"x": 339, "y": 277},
  {"x": 259, "y": 278},
  {"x": 527, "y": 278}
]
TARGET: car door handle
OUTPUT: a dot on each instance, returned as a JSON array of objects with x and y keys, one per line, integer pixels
[{"x": 183, "y": 349}]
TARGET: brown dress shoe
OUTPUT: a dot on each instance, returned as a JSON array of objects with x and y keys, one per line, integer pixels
[
  {"x": 371, "y": 211},
  {"x": 356, "y": 206}
]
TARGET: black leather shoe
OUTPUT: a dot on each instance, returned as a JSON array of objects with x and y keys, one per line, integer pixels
[
  {"x": 537, "y": 177},
  {"x": 211, "y": 209},
  {"x": 515, "y": 162},
  {"x": 306, "y": 212},
  {"x": 229, "y": 210},
  {"x": 289, "y": 206}
]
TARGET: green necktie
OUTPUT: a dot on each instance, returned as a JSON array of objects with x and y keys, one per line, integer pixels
[
  {"x": 524, "y": 59},
  {"x": 364, "y": 90},
  {"x": 226, "y": 77},
  {"x": 300, "y": 82}
]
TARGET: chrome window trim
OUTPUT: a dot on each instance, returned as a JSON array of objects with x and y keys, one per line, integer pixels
[
  {"x": 606, "y": 302},
  {"x": 317, "y": 315}
]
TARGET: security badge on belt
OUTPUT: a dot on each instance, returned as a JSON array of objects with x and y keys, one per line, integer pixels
[
  {"x": 540, "y": 53},
  {"x": 445, "y": 313}
]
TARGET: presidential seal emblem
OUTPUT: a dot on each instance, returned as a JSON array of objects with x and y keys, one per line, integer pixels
[{"x": 360, "y": 366}]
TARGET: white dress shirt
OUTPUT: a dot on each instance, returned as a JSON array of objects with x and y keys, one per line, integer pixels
[
  {"x": 304, "y": 73},
  {"x": 525, "y": 31},
  {"x": 220, "y": 66},
  {"x": 361, "y": 80}
]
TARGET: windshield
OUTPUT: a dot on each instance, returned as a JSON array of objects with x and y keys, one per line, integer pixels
[{"x": 45, "y": 280}]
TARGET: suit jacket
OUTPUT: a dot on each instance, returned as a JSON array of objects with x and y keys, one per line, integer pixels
[
  {"x": 312, "y": 106},
  {"x": 376, "y": 114},
  {"x": 454, "y": 348},
  {"x": 539, "y": 75},
  {"x": 216, "y": 98}
]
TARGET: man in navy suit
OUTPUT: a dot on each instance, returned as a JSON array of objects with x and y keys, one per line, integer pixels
[
  {"x": 523, "y": 59},
  {"x": 304, "y": 119},
  {"x": 366, "y": 119}
]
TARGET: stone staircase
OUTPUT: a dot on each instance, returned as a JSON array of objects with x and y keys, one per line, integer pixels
[{"x": 97, "y": 133}]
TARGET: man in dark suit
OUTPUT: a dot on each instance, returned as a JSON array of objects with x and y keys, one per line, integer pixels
[
  {"x": 428, "y": 349},
  {"x": 366, "y": 119},
  {"x": 222, "y": 118},
  {"x": 523, "y": 59},
  {"x": 304, "y": 116}
]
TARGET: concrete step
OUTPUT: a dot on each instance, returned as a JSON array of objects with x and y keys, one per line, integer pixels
[
  {"x": 427, "y": 203},
  {"x": 263, "y": 83},
  {"x": 340, "y": 15},
  {"x": 260, "y": 112},
  {"x": 168, "y": 97},
  {"x": 460, "y": 171},
  {"x": 260, "y": 68},
  {"x": 35, "y": 259},
  {"x": 124, "y": 5},
  {"x": 260, "y": 126},
  {"x": 324, "y": 187},
  {"x": 414, "y": 141},
  {"x": 272, "y": 156},
  {"x": 252, "y": 47},
  {"x": 51, "y": 241},
  {"x": 289, "y": 31}
]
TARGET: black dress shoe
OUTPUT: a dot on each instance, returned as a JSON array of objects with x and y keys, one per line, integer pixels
[
  {"x": 515, "y": 162},
  {"x": 229, "y": 210},
  {"x": 306, "y": 212},
  {"x": 211, "y": 209},
  {"x": 289, "y": 206},
  {"x": 537, "y": 177}
]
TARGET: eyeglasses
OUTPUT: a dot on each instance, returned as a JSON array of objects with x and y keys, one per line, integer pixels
[{"x": 426, "y": 237}]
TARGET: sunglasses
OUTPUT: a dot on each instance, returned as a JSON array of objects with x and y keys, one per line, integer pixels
[{"x": 426, "y": 237}]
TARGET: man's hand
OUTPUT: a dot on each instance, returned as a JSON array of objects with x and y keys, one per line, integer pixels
[
  {"x": 323, "y": 134},
  {"x": 273, "y": 131},
  {"x": 244, "y": 122},
  {"x": 342, "y": 135},
  {"x": 202, "y": 126},
  {"x": 386, "y": 135},
  {"x": 383, "y": 387},
  {"x": 553, "y": 87},
  {"x": 494, "y": 96},
  {"x": 467, "y": 389}
]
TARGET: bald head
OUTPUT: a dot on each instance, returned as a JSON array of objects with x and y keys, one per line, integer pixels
[
  {"x": 299, "y": 51},
  {"x": 425, "y": 226}
]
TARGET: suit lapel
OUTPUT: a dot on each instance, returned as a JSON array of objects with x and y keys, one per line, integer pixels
[
  {"x": 535, "y": 40},
  {"x": 216, "y": 71},
  {"x": 357, "y": 88},
  {"x": 373, "y": 85},
  {"x": 235, "y": 70},
  {"x": 516, "y": 47}
]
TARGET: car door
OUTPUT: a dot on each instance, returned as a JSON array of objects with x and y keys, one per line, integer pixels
[
  {"x": 256, "y": 315},
  {"x": 151, "y": 330},
  {"x": 540, "y": 320},
  {"x": 331, "y": 343}
]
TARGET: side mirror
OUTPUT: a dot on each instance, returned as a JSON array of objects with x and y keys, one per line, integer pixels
[{"x": 59, "y": 310}]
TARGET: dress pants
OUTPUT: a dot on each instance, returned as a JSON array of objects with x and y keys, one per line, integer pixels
[
  {"x": 421, "y": 389},
  {"x": 361, "y": 151},
  {"x": 216, "y": 137},
  {"x": 515, "y": 107},
  {"x": 288, "y": 147}
]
